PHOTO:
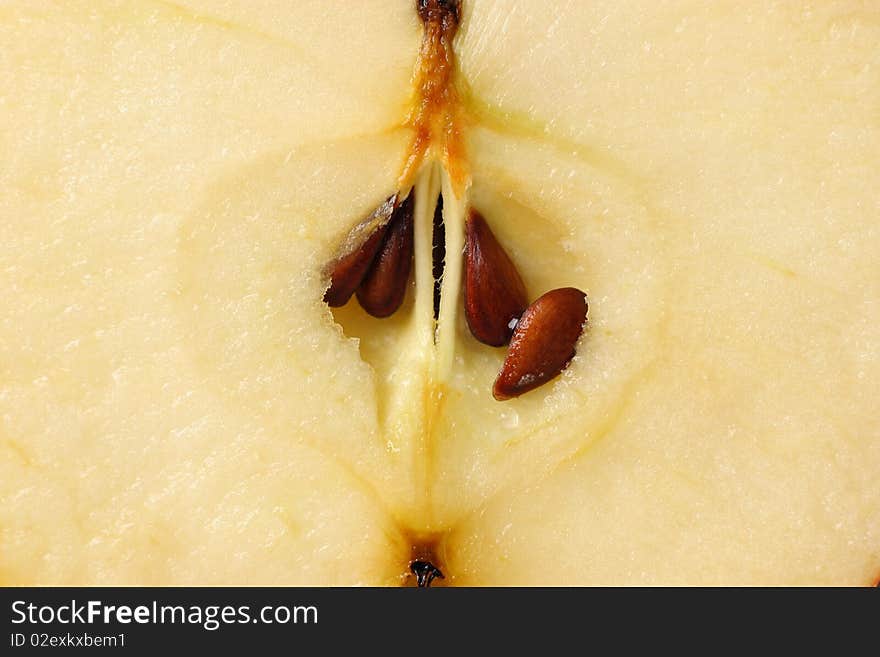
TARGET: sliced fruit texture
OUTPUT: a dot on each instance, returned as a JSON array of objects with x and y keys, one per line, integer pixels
[{"x": 180, "y": 405}]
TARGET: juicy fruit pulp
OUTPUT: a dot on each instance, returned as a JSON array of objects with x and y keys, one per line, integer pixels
[{"x": 179, "y": 406}]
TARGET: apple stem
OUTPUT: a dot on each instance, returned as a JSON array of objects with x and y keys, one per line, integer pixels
[{"x": 425, "y": 573}]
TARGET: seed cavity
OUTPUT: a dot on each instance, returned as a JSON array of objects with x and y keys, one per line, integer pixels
[
  {"x": 377, "y": 257},
  {"x": 438, "y": 254},
  {"x": 383, "y": 288},
  {"x": 543, "y": 343},
  {"x": 494, "y": 292},
  {"x": 363, "y": 242}
]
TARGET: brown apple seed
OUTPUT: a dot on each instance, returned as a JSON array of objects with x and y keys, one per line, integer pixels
[
  {"x": 494, "y": 292},
  {"x": 543, "y": 343},
  {"x": 384, "y": 287},
  {"x": 347, "y": 273}
]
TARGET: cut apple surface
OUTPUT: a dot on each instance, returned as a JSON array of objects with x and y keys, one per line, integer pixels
[{"x": 178, "y": 404}]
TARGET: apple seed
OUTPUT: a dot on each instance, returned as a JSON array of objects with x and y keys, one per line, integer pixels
[
  {"x": 348, "y": 271},
  {"x": 384, "y": 287},
  {"x": 494, "y": 293},
  {"x": 543, "y": 343}
]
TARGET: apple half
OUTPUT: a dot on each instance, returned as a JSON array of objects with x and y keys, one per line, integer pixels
[{"x": 179, "y": 406}]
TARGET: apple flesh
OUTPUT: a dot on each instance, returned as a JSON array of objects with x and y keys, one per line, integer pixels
[{"x": 179, "y": 406}]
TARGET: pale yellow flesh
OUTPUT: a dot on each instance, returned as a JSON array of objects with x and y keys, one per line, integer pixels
[{"x": 177, "y": 405}]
